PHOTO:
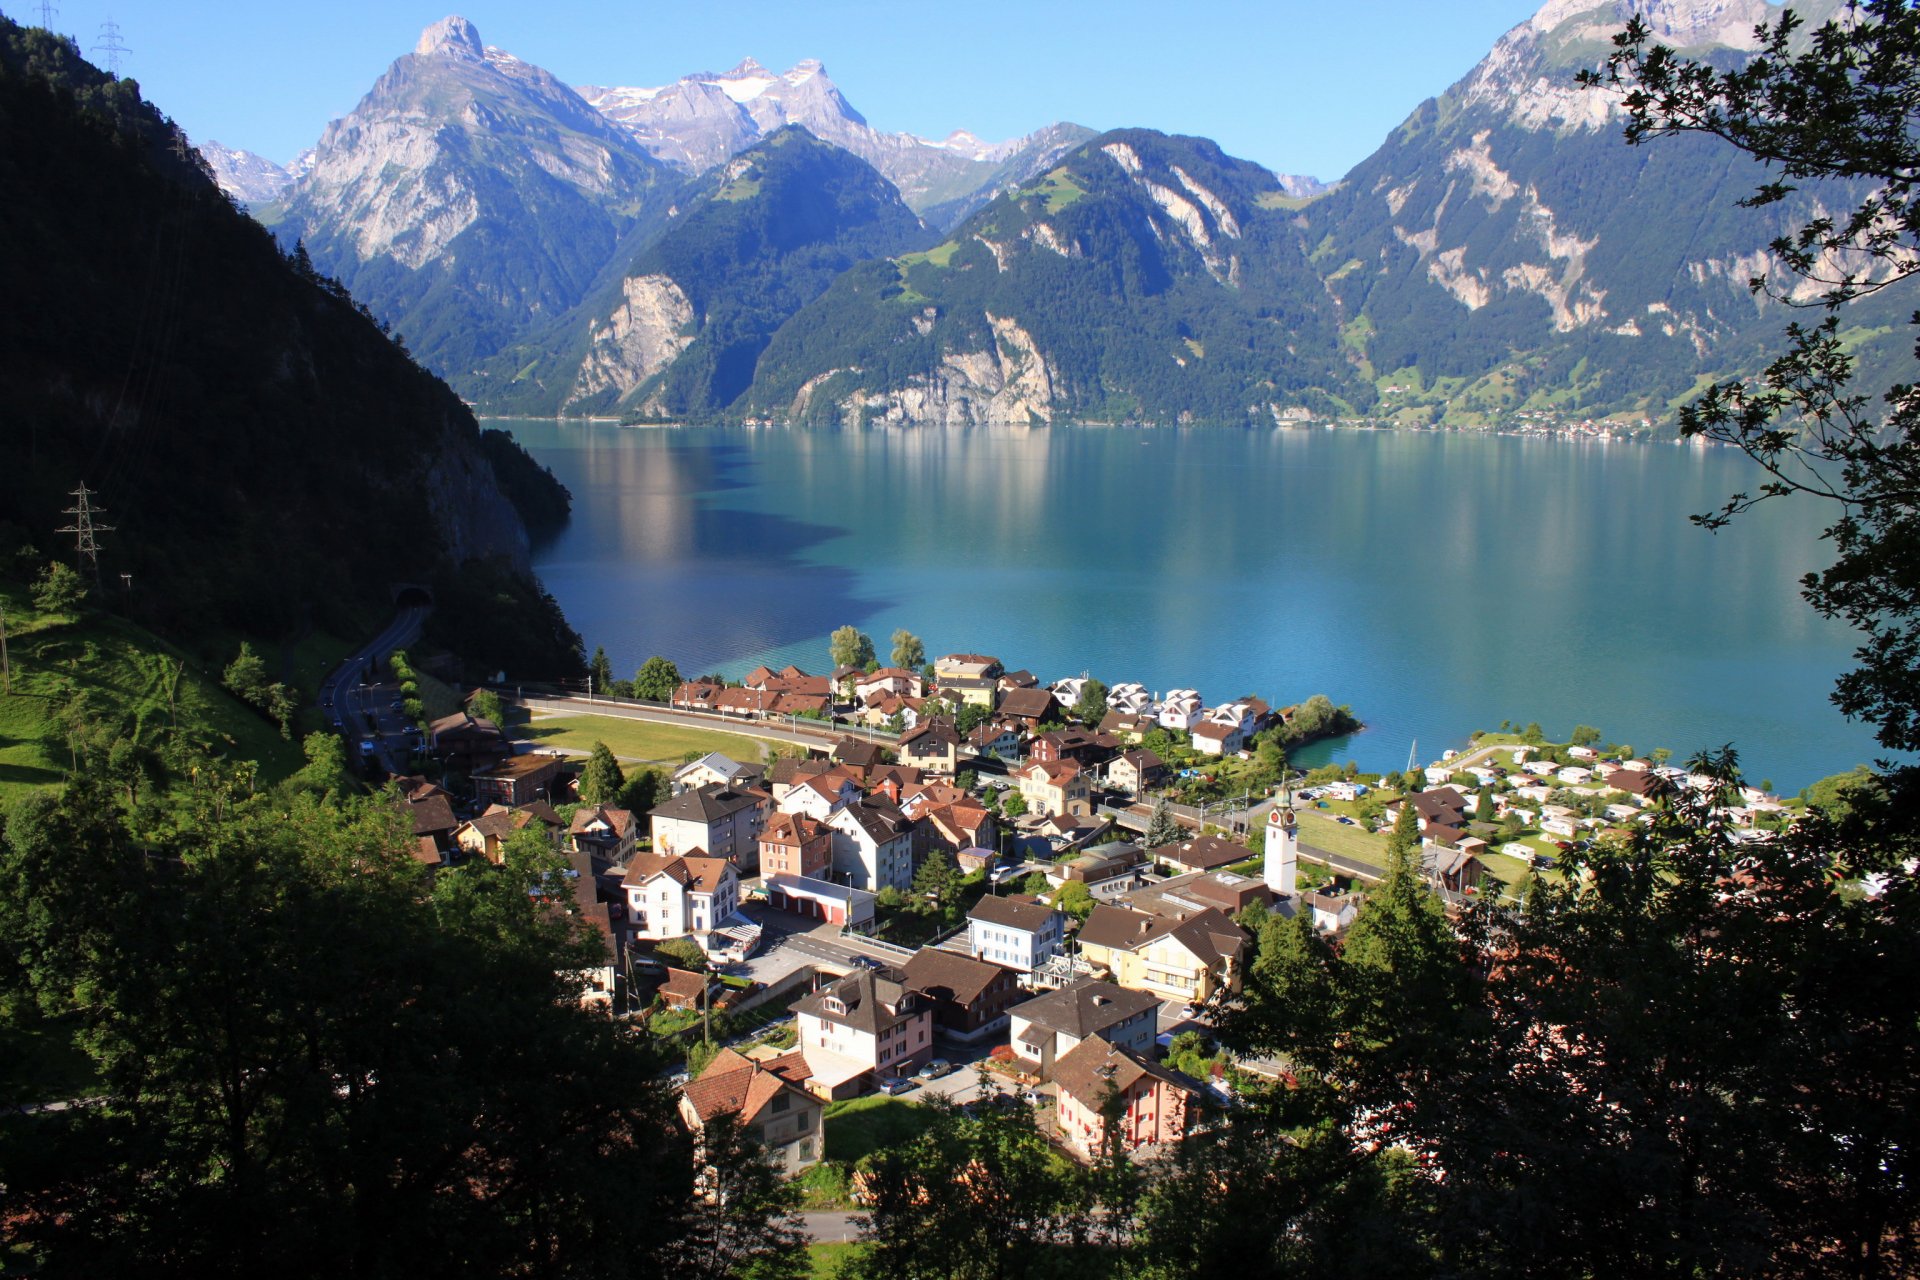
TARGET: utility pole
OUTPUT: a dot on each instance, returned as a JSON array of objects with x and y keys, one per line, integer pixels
[
  {"x": 86, "y": 548},
  {"x": 49, "y": 14},
  {"x": 6, "y": 667},
  {"x": 111, "y": 45}
]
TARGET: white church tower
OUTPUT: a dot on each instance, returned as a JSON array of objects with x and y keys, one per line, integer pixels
[{"x": 1282, "y": 859}]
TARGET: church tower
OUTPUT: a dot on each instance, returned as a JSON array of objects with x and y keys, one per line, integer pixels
[{"x": 1283, "y": 846}]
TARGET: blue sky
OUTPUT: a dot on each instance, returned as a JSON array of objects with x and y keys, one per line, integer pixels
[{"x": 1300, "y": 87}]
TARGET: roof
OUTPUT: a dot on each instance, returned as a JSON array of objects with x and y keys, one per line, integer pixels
[
  {"x": 1058, "y": 772},
  {"x": 856, "y": 752},
  {"x": 1203, "y": 853},
  {"x": 1442, "y": 802},
  {"x": 619, "y": 821},
  {"x": 1143, "y": 760},
  {"x": 1208, "y": 934},
  {"x": 879, "y": 819},
  {"x": 725, "y": 766},
  {"x": 1025, "y": 703},
  {"x": 932, "y": 734},
  {"x": 1086, "y": 1070},
  {"x": 868, "y": 1002},
  {"x": 1012, "y": 913},
  {"x": 705, "y": 804},
  {"x": 520, "y": 767},
  {"x": 791, "y": 828},
  {"x": 959, "y": 978},
  {"x": 431, "y": 815},
  {"x": 683, "y": 984},
  {"x": 693, "y": 872},
  {"x": 966, "y": 660},
  {"x": 1085, "y": 1008},
  {"x": 737, "y": 1085}
]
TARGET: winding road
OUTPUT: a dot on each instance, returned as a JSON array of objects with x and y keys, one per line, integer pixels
[{"x": 363, "y": 711}]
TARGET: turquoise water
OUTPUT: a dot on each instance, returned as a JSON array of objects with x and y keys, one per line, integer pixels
[{"x": 1436, "y": 583}]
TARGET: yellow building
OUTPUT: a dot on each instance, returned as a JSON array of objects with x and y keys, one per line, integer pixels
[
  {"x": 969, "y": 677},
  {"x": 1186, "y": 959}
]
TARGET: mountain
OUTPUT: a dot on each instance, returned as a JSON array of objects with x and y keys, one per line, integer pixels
[
  {"x": 249, "y": 178},
  {"x": 1146, "y": 277},
  {"x": 681, "y": 332},
  {"x": 699, "y": 121},
  {"x": 1505, "y": 250},
  {"x": 470, "y": 195},
  {"x": 268, "y": 459}
]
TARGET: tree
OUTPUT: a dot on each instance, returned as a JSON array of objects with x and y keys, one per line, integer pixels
[
  {"x": 485, "y": 705},
  {"x": 850, "y": 647},
  {"x": 326, "y": 771},
  {"x": 602, "y": 781},
  {"x": 970, "y": 716},
  {"x": 1483, "y": 806},
  {"x": 744, "y": 1224},
  {"x": 246, "y": 675},
  {"x": 1013, "y": 804},
  {"x": 1533, "y": 734},
  {"x": 682, "y": 953},
  {"x": 656, "y": 679},
  {"x": 59, "y": 588},
  {"x": 937, "y": 885},
  {"x": 600, "y": 671},
  {"x": 1584, "y": 735},
  {"x": 642, "y": 791},
  {"x": 1091, "y": 707},
  {"x": 908, "y": 652},
  {"x": 1163, "y": 828},
  {"x": 1074, "y": 898}
]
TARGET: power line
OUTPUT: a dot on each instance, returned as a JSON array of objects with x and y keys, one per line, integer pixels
[
  {"x": 111, "y": 45},
  {"x": 86, "y": 547},
  {"x": 49, "y": 14}
]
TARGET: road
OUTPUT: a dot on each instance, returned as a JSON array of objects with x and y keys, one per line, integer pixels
[
  {"x": 363, "y": 711},
  {"x": 832, "y": 1228}
]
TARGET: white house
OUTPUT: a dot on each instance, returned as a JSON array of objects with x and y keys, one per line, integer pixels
[
  {"x": 872, "y": 845},
  {"x": 1181, "y": 709},
  {"x": 816, "y": 797},
  {"x": 673, "y": 896},
  {"x": 1331, "y": 912},
  {"x": 1017, "y": 932},
  {"x": 1067, "y": 692},
  {"x": 715, "y": 820},
  {"x": 712, "y": 769},
  {"x": 863, "y": 1024},
  {"x": 1129, "y": 698},
  {"x": 1045, "y": 1028}
]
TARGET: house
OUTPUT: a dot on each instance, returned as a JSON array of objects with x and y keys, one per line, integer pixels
[
  {"x": 1021, "y": 679},
  {"x": 714, "y": 768},
  {"x": 1150, "y": 1103},
  {"x": 596, "y": 921},
  {"x": 685, "y": 989},
  {"x": 819, "y": 794},
  {"x": 466, "y": 744},
  {"x": 486, "y": 835},
  {"x": 998, "y": 739},
  {"x": 781, "y": 1116},
  {"x": 518, "y": 780},
  {"x": 863, "y": 1025},
  {"x": 1181, "y": 710},
  {"x": 1127, "y": 727},
  {"x": 820, "y": 899},
  {"x": 719, "y": 820},
  {"x": 607, "y": 833},
  {"x": 1187, "y": 959},
  {"x": 1202, "y": 853},
  {"x": 1136, "y": 771},
  {"x": 953, "y": 827},
  {"x": 1069, "y": 831},
  {"x": 697, "y": 695},
  {"x": 1048, "y": 1027},
  {"x": 1109, "y": 870},
  {"x": 432, "y": 822},
  {"x": 970, "y": 998},
  {"x": 897, "y": 681},
  {"x": 1331, "y": 912},
  {"x": 793, "y": 844},
  {"x": 1054, "y": 787},
  {"x": 1128, "y": 697},
  {"x": 676, "y": 896},
  {"x": 1086, "y": 747},
  {"x": 1455, "y": 870},
  {"x": 933, "y": 745},
  {"x": 1642, "y": 784},
  {"x": 969, "y": 677},
  {"x": 1229, "y": 727},
  {"x": 857, "y": 753},
  {"x": 1027, "y": 708},
  {"x": 872, "y": 845},
  {"x": 1444, "y": 808},
  {"x": 1016, "y": 932}
]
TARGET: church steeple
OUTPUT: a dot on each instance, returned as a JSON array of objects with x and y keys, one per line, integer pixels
[{"x": 1283, "y": 846}]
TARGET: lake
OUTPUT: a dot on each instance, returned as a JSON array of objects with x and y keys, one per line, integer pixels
[{"x": 1436, "y": 583}]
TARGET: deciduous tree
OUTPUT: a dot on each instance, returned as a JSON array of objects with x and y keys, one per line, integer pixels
[{"x": 656, "y": 679}]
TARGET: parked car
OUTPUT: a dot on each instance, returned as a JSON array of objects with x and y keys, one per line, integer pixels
[
  {"x": 891, "y": 1085},
  {"x": 935, "y": 1069},
  {"x": 867, "y": 962}
]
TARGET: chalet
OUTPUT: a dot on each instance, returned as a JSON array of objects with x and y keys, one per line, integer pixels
[
  {"x": 998, "y": 739},
  {"x": 1187, "y": 959},
  {"x": 1127, "y": 727},
  {"x": 1154, "y": 1103},
  {"x": 1054, "y": 787},
  {"x": 933, "y": 745},
  {"x": 894, "y": 680},
  {"x": 1016, "y": 932},
  {"x": 863, "y": 1025},
  {"x": 970, "y": 998},
  {"x": 605, "y": 832},
  {"x": 431, "y": 823},
  {"x": 518, "y": 780},
  {"x": 1048, "y": 1027},
  {"x": 1021, "y": 679},
  {"x": 858, "y": 753},
  {"x": 783, "y": 1118},
  {"x": 1087, "y": 748},
  {"x": 1181, "y": 710},
  {"x": 1027, "y": 708},
  {"x": 466, "y": 744},
  {"x": 1202, "y": 853},
  {"x": 1136, "y": 771},
  {"x": 714, "y": 768}
]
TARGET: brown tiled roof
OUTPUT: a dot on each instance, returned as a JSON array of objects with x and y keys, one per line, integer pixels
[
  {"x": 1026, "y": 704},
  {"x": 853, "y": 751},
  {"x": 684, "y": 986},
  {"x": 960, "y": 978},
  {"x": 866, "y": 997},
  {"x": 431, "y": 815},
  {"x": 1011, "y": 912},
  {"x": 1086, "y": 1070},
  {"x": 697, "y": 873},
  {"x": 791, "y": 828},
  {"x": 520, "y": 767},
  {"x": 1085, "y": 1008},
  {"x": 706, "y": 804},
  {"x": 734, "y": 1084},
  {"x": 932, "y": 734},
  {"x": 619, "y": 820},
  {"x": 879, "y": 819}
]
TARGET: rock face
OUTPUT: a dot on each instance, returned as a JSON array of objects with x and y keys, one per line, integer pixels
[
  {"x": 646, "y": 332},
  {"x": 701, "y": 120},
  {"x": 252, "y": 179},
  {"x": 469, "y": 194}
]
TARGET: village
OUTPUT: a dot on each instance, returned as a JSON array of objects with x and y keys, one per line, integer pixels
[{"x": 984, "y": 888}]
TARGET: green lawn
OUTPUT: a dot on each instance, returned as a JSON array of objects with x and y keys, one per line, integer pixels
[
  {"x": 638, "y": 740},
  {"x": 1336, "y": 837},
  {"x": 859, "y": 1126},
  {"x": 827, "y": 1259}
]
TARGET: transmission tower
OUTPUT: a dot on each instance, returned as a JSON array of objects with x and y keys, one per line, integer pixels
[
  {"x": 86, "y": 547},
  {"x": 49, "y": 14},
  {"x": 111, "y": 45}
]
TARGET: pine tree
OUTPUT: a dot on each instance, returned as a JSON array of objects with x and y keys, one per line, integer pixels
[
  {"x": 602, "y": 781},
  {"x": 1163, "y": 829},
  {"x": 600, "y": 671}
]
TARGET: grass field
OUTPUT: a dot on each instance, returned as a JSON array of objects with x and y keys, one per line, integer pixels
[
  {"x": 827, "y": 1259},
  {"x": 1337, "y": 837},
  {"x": 133, "y": 683},
  {"x": 860, "y": 1126},
  {"x": 639, "y": 740}
]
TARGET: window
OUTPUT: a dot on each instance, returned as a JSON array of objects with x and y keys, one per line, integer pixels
[
  {"x": 781, "y": 1102},
  {"x": 805, "y": 1122}
]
